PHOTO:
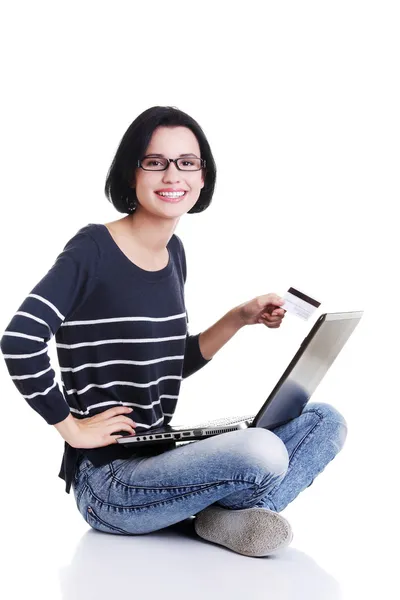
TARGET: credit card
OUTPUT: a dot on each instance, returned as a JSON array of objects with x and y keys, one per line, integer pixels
[{"x": 299, "y": 304}]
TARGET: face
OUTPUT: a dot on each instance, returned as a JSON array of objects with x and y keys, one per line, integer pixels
[{"x": 170, "y": 142}]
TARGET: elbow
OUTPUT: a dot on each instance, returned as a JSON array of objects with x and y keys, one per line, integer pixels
[
  {"x": 10, "y": 344},
  {"x": 4, "y": 343},
  {"x": 188, "y": 371}
]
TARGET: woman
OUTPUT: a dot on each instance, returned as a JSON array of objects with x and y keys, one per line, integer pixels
[{"x": 114, "y": 299}]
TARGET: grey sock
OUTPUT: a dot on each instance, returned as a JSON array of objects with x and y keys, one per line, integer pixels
[{"x": 251, "y": 531}]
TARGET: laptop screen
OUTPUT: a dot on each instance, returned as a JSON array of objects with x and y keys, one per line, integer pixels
[{"x": 307, "y": 368}]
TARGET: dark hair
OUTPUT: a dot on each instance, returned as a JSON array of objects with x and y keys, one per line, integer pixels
[{"x": 133, "y": 146}]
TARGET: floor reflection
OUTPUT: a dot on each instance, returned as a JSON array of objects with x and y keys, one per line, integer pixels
[{"x": 175, "y": 561}]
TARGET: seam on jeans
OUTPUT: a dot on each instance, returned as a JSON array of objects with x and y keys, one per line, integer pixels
[
  {"x": 257, "y": 491},
  {"x": 95, "y": 517},
  {"x": 177, "y": 487},
  {"x": 82, "y": 471},
  {"x": 306, "y": 435},
  {"x": 290, "y": 466},
  {"x": 79, "y": 472},
  {"x": 322, "y": 419},
  {"x": 78, "y": 498},
  {"x": 203, "y": 488},
  {"x": 112, "y": 469},
  {"x": 162, "y": 487},
  {"x": 272, "y": 503}
]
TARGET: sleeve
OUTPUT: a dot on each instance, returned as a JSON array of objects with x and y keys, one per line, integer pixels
[
  {"x": 193, "y": 360},
  {"x": 24, "y": 342}
]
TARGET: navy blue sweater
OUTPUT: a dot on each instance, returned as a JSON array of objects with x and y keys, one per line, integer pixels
[{"x": 121, "y": 336}]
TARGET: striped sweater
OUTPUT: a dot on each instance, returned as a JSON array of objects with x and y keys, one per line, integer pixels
[{"x": 121, "y": 338}]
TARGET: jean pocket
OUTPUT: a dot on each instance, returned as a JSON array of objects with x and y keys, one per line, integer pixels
[{"x": 96, "y": 522}]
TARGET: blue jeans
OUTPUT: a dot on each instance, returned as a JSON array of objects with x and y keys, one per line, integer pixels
[{"x": 236, "y": 470}]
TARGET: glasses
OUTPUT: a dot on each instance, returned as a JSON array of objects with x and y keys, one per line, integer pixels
[{"x": 149, "y": 163}]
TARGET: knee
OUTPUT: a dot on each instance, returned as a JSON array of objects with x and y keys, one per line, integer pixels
[
  {"x": 266, "y": 450},
  {"x": 334, "y": 420},
  {"x": 327, "y": 412}
]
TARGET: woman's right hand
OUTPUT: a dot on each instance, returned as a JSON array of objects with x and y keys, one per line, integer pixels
[{"x": 97, "y": 431}]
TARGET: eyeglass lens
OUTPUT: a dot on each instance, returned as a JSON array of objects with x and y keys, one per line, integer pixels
[{"x": 158, "y": 164}]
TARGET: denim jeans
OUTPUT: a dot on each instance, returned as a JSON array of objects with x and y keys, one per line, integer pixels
[{"x": 236, "y": 470}]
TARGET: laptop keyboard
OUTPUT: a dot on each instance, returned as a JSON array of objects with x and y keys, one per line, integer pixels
[{"x": 226, "y": 421}]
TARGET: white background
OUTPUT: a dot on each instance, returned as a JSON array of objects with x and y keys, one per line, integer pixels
[{"x": 300, "y": 103}]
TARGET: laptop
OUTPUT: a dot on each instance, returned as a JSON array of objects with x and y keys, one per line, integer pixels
[{"x": 288, "y": 398}]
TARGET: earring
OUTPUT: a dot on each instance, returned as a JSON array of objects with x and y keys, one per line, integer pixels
[{"x": 132, "y": 204}]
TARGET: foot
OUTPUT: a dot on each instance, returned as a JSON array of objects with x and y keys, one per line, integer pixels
[{"x": 251, "y": 531}]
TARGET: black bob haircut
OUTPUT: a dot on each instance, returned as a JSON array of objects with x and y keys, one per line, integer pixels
[{"x": 133, "y": 146}]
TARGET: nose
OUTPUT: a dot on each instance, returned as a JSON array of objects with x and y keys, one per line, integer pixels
[{"x": 171, "y": 173}]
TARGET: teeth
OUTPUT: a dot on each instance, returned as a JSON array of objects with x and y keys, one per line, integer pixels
[{"x": 171, "y": 194}]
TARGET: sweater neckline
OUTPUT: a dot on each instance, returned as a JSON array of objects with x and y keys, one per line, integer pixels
[{"x": 143, "y": 273}]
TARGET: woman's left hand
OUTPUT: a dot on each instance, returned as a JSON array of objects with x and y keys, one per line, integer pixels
[{"x": 263, "y": 309}]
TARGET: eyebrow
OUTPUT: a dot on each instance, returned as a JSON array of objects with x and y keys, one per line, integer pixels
[{"x": 163, "y": 156}]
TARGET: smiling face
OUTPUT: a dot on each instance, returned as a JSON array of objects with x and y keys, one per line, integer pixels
[{"x": 170, "y": 142}]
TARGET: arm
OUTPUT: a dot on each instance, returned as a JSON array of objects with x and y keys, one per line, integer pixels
[
  {"x": 202, "y": 347},
  {"x": 68, "y": 429},
  {"x": 219, "y": 334},
  {"x": 24, "y": 342},
  {"x": 24, "y": 345},
  {"x": 263, "y": 309}
]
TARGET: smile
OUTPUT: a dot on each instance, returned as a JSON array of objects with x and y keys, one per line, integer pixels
[{"x": 170, "y": 196}]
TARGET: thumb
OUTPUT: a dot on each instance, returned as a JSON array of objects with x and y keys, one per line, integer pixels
[{"x": 273, "y": 299}]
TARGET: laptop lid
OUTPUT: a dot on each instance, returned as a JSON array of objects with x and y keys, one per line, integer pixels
[{"x": 316, "y": 354}]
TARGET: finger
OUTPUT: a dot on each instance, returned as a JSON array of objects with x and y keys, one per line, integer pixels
[
  {"x": 278, "y": 311},
  {"x": 272, "y": 309},
  {"x": 121, "y": 419},
  {"x": 112, "y": 412},
  {"x": 119, "y": 426},
  {"x": 113, "y": 439},
  {"x": 270, "y": 315},
  {"x": 114, "y": 435},
  {"x": 275, "y": 299},
  {"x": 270, "y": 299},
  {"x": 271, "y": 319}
]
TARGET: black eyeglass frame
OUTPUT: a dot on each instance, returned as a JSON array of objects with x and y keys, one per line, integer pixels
[{"x": 174, "y": 160}]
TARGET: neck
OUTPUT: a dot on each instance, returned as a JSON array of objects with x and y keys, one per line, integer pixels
[{"x": 149, "y": 231}]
